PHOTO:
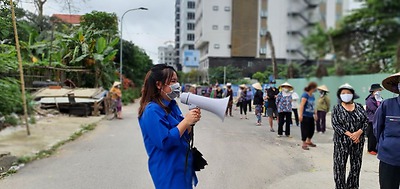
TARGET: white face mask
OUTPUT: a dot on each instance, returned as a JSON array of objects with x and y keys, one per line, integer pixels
[
  {"x": 346, "y": 97},
  {"x": 175, "y": 91},
  {"x": 378, "y": 96}
]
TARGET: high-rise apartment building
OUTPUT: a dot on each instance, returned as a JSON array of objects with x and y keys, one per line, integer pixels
[
  {"x": 166, "y": 55},
  {"x": 184, "y": 31},
  {"x": 234, "y": 32},
  {"x": 213, "y": 30}
]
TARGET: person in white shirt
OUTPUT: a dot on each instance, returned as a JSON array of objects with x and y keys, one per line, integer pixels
[{"x": 295, "y": 106}]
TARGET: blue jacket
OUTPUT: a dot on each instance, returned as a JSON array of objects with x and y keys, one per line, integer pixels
[
  {"x": 167, "y": 151},
  {"x": 387, "y": 131}
]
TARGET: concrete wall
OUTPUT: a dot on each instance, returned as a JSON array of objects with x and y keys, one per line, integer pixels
[{"x": 361, "y": 84}]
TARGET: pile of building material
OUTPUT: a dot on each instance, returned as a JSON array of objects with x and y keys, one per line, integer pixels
[{"x": 76, "y": 101}]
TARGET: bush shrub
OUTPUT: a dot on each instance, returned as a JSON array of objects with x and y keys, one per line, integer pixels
[{"x": 129, "y": 95}]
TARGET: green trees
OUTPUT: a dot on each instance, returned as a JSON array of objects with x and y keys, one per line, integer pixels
[
  {"x": 217, "y": 74},
  {"x": 365, "y": 41}
]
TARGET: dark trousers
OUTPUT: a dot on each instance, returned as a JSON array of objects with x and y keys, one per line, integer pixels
[
  {"x": 389, "y": 176},
  {"x": 243, "y": 108},
  {"x": 284, "y": 117},
  {"x": 249, "y": 104},
  {"x": 229, "y": 108},
  {"x": 371, "y": 138},
  {"x": 307, "y": 128},
  {"x": 341, "y": 152},
  {"x": 321, "y": 121},
  {"x": 296, "y": 117}
]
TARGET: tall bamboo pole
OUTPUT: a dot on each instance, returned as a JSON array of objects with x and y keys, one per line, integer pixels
[{"x": 21, "y": 71}]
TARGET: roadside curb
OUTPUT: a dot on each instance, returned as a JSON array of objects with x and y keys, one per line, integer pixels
[{"x": 11, "y": 164}]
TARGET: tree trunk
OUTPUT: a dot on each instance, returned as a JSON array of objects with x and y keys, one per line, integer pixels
[
  {"x": 39, "y": 5},
  {"x": 271, "y": 43}
]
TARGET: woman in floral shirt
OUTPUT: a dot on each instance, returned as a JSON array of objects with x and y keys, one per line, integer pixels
[{"x": 284, "y": 105}]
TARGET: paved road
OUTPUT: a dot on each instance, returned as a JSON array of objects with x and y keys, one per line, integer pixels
[{"x": 240, "y": 156}]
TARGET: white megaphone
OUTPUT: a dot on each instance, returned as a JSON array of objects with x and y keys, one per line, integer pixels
[{"x": 216, "y": 106}]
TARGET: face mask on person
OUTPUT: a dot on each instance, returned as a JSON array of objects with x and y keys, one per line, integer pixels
[
  {"x": 175, "y": 91},
  {"x": 346, "y": 98},
  {"x": 378, "y": 96}
]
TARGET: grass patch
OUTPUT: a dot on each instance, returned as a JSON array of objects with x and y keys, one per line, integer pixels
[{"x": 48, "y": 152}]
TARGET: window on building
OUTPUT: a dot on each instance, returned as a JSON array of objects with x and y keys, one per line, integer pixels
[
  {"x": 191, "y": 47},
  {"x": 190, "y": 26},
  {"x": 227, "y": 8},
  {"x": 190, "y": 37},
  {"x": 263, "y": 50},
  {"x": 191, "y": 16},
  {"x": 216, "y": 46},
  {"x": 191, "y": 4},
  {"x": 215, "y": 8},
  {"x": 215, "y": 27},
  {"x": 226, "y": 27}
]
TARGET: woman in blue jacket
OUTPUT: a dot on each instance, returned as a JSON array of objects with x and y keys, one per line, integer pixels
[
  {"x": 166, "y": 133},
  {"x": 387, "y": 133}
]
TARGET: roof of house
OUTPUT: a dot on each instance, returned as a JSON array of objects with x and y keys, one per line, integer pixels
[{"x": 68, "y": 18}]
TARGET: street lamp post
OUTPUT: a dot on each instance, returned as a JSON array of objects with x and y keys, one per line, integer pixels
[{"x": 120, "y": 40}]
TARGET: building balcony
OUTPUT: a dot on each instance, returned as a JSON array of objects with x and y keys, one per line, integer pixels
[
  {"x": 312, "y": 3},
  {"x": 308, "y": 21},
  {"x": 296, "y": 32}
]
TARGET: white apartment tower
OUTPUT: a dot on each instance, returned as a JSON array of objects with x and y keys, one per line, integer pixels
[
  {"x": 166, "y": 55},
  {"x": 213, "y": 29},
  {"x": 184, "y": 30}
]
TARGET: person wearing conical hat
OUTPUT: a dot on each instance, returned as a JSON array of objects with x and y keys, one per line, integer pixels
[
  {"x": 116, "y": 97},
  {"x": 284, "y": 107},
  {"x": 323, "y": 105},
  {"x": 258, "y": 102},
  {"x": 387, "y": 132},
  {"x": 372, "y": 102},
  {"x": 229, "y": 93},
  {"x": 349, "y": 123},
  {"x": 242, "y": 101}
]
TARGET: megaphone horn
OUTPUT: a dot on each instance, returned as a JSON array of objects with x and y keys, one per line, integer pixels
[{"x": 216, "y": 106}]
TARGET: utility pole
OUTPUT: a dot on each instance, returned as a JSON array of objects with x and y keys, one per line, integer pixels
[
  {"x": 268, "y": 38},
  {"x": 21, "y": 70},
  {"x": 224, "y": 75}
]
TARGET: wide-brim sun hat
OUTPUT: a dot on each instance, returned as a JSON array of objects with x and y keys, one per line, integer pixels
[
  {"x": 286, "y": 84},
  {"x": 323, "y": 88},
  {"x": 391, "y": 83},
  {"x": 116, "y": 83},
  {"x": 229, "y": 84},
  {"x": 375, "y": 87},
  {"x": 242, "y": 86},
  {"x": 257, "y": 86},
  {"x": 348, "y": 87}
]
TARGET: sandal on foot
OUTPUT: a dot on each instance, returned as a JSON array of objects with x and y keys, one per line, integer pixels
[
  {"x": 311, "y": 144},
  {"x": 305, "y": 148}
]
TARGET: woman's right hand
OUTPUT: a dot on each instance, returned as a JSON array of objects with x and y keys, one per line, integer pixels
[
  {"x": 300, "y": 118},
  {"x": 193, "y": 116}
]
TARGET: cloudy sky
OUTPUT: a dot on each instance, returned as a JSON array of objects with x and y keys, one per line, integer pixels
[{"x": 148, "y": 29}]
